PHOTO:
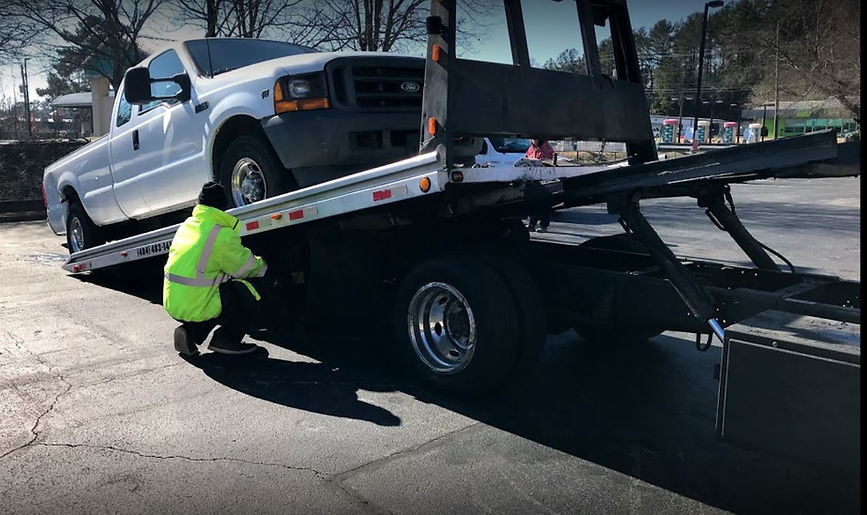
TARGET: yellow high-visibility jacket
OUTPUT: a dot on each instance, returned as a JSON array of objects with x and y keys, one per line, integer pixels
[{"x": 206, "y": 252}]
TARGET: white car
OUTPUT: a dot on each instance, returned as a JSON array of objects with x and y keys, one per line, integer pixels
[
  {"x": 502, "y": 151},
  {"x": 261, "y": 117}
]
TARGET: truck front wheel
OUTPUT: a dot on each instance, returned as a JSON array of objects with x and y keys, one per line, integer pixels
[
  {"x": 251, "y": 172},
  {"x": 81, "y": 232},
  {"x": 456, "y": 323}
]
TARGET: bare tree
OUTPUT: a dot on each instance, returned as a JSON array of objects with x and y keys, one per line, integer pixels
[
  {"x": 277, "y": 19},
  {"x": 819, "y": 48},
  {"x": 15, "y": 34},
  {"x": 106, "y": 29},
  {"x": 384, "y": 25}
]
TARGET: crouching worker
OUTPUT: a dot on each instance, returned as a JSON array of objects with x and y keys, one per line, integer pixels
[{"x": 204, "y": 282}]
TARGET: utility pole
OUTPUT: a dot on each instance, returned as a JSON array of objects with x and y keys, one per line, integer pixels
[
  {"x": 15, "y": 107},
  {"x": 26, "y": 91},
  {"x": 680, "y": 114},
  {"x": 777, "y": 81},
  {"x": 707, "y": 5}
]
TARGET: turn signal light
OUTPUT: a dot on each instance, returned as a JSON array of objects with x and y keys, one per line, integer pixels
[
  {"x": 306, "y": 104},
  {"x": 436, "y": 53},
  {"x": 424, "y": 184},
  {"x": 432, "y": 125},
  {"x": 282, "y": 105}
]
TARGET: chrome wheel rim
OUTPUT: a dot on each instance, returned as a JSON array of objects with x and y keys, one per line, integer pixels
[
  {"x": 248, "y": 182},
  {"x": 77, "y": 234},
  {"x": 442, "y": 328}
]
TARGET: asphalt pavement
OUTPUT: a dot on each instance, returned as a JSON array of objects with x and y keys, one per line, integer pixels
[{"x": 99, "y": 414}]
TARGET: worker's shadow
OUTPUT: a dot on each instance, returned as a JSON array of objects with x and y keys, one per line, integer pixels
[{"x": 317, "y": 387}]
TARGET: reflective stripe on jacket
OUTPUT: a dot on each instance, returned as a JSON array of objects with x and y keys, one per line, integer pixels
[{"x": 206, "y": 252}]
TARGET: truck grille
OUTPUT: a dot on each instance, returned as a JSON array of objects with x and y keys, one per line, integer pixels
[
  {"x": 372, "y": 86},
  {"x": 379, "y": 86}
]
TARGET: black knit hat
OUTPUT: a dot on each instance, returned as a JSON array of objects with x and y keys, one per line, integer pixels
[{"x": 213, "y": 195}]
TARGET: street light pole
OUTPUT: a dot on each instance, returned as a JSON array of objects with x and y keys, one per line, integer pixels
[{"x": 707, "y": 5}]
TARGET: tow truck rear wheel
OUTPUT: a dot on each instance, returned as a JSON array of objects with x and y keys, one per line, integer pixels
[
  {"x": 81, "y": 232},
  {"x": 250, "y": 172},
  {"x": 456, "y": 323}
]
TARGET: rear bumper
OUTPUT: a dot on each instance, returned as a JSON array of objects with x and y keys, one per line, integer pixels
[{"x": 335, "y": 139}]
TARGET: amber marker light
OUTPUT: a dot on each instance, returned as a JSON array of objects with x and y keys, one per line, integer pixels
[
  {"x": 436, "y": 53},
  {"x": 282, "y": 105},
  {"x": 424, "y": 184},
  {"x": 432, "y": 125}
]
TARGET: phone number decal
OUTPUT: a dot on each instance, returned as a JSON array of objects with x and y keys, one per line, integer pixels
[{"x": 153, "y": 249}]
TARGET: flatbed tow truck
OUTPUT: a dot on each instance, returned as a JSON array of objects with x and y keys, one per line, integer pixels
[{"x": 435, "y": 248}]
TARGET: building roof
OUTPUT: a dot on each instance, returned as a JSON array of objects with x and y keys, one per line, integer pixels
[{"x": 75, "y": 100}]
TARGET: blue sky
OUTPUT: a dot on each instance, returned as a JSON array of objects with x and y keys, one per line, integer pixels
[{"x": 553, "y": 26}]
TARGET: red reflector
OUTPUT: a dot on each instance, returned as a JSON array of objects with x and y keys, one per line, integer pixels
[
  {"x": 252, "y": 225},
  {"x": 295, "y": 215},
  {"x": 123, "y": 254},
  {"x": 381, "y": 195}
]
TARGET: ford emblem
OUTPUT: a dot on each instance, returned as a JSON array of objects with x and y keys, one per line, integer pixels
[{"x": 410, "y": 87}]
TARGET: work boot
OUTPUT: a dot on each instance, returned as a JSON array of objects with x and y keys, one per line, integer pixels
[
  {"x": 221, "y": 344},
  {"x": 184, "y": 342}
]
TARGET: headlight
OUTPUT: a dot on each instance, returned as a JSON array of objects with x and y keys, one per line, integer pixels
[
  {"x": 299, "y": 88},
  {"x": 300, "y": 93}
]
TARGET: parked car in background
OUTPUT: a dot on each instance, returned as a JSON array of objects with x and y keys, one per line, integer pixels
[{"x": 502, "y": 151}]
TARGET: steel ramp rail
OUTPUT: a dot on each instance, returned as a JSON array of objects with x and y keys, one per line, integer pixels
[
  {"x": 378, "y": 186},
  {"x": 784, "y": 158}
]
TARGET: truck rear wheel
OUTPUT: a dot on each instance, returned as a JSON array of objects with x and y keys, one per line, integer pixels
[
  {"x": 456, "y": 323},
  {"x": 251, "y": 172},
  {"x": 81, "y": 232}
]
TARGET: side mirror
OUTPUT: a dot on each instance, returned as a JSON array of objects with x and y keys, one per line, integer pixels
[
  {"x": 137, "y": 86},
  {"x": 183, "y": 80}
]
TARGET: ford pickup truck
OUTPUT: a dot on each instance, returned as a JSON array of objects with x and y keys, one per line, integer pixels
[{"x": 261, "y": 117}]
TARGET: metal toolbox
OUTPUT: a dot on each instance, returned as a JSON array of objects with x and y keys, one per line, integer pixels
[{"x": 790, "y": 384}]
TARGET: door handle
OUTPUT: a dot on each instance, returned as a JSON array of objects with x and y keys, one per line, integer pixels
[{"x": 135, "y": 144}]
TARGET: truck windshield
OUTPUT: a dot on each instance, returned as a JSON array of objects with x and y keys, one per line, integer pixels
[
  {"x": 509, "y": 145},
  {"x": 216, "y": 56}
]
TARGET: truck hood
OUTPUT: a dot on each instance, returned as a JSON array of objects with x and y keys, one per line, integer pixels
[{"x": 304, "y": 63}]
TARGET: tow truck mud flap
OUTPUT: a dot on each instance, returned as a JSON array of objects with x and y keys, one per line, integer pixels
[{"x": 790, "y": 384}]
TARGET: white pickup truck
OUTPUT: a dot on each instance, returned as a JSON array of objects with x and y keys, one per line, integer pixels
[{"x": 261, "y": 117}]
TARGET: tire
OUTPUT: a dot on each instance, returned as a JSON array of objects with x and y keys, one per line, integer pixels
[
  {"x": 531, "y": 316},
  {"x": 250, "y": 171},
  {"x": 81, "y": 232},
  {"x": 456, "y": 324}
]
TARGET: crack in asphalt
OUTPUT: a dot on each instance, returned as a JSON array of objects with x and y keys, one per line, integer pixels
[
  {"x": 403, "y": 452},
  {"x": 181, "y": 457},
  {"x": 128, "y": 375},
  {"x": 328, "y": 479},
  {"x": 18, "y": 342},
  {"x": 33, "y": 430}
]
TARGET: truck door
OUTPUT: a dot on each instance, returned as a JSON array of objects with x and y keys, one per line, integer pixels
[
  {"x": 122, "y": 146},
  {"x": 171, "y": 156}
]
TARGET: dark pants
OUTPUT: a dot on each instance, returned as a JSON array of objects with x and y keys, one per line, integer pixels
[
  {"x": 543, "y": 218},
  {"x": 240, "y": 311}
]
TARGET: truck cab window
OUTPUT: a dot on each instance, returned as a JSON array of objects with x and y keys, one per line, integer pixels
[
  {"x": 164, "y": 66},
  {"x": 124, "y": 110}
]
